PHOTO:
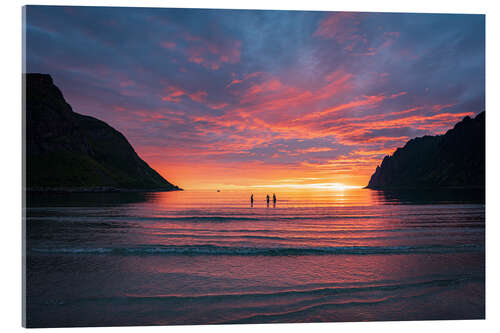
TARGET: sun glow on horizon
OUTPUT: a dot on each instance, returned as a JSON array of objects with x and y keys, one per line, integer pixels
[
  {"x": 292, "y": 186},
  {"x": 322, "y": 186}
]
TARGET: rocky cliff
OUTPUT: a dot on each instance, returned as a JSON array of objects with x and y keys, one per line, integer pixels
[
  {"x": 69, "y": 151},
  {"x": 455, "y": 159}
]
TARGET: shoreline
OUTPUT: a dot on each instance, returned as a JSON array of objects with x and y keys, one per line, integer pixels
[
  {"x": 96, "y": 189},
  {"x": 392, "y": 188}
]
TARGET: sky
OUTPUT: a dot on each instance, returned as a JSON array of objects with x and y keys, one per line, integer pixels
[{"x": 267, "y": 99}]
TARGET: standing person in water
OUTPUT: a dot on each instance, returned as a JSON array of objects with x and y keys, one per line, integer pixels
[
  {"x": 251, "y": 200},
  {"x": 267, "y": 198},
  {"x": 274, "y": 198}
]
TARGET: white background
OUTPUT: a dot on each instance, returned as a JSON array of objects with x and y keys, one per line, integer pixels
[{"x": 10, "y": 152}]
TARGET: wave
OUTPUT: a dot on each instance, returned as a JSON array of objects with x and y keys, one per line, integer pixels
[
  {"x": 324, "y": 291},
  {"x": 391, "y": 224},
  {"x": 262, "y": 251},
  {"x": 149, "y": 218}
]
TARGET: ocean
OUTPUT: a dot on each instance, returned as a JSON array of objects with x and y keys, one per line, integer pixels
[{"x": 207, "y": 257}]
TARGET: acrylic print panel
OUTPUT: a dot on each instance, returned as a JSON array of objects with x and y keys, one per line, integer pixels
[{"x": 194, "y": 166}]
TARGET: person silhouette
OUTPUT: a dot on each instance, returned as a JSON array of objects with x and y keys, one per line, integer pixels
[
  {"x": 274, "y": 200},
  {"x": 267, "y": 198},
  {"x": 251, "y": 200}
]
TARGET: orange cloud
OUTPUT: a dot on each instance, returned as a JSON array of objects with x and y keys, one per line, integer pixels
[
  {"x": 269, "y": 109},
  {"x": 173, "y": 94}
]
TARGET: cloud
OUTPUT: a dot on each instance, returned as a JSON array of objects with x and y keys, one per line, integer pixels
[
  {"x": 245, "y": 78},
  {"x": 213, "y": 54},
  {"x": 341, "y": 26},
  {"x": 173, "y": 94},
  {"x": 168, "y": 45},
  {"x": 359, "y": 102}
]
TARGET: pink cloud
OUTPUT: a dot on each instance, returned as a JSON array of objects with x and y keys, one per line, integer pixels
[
  {"x": 212, "y": 54},
  {"x": 199, "y": 96},
  {"x": 344, "y": 28},
  {"x": 218, "y": 106},
  {"x": 118, "y": 108},
  {"x": 341, "y": 26},
  {"x": 173, "y": 94},
  {"x": 245, "y": 78},
  {"x": 272, "y": 94},
  {"x": 233, "y": 82},
  {"x": 168, "y": 45},
  {"x": 127, "y": 83},
  {"x": 364, "y": 101}
]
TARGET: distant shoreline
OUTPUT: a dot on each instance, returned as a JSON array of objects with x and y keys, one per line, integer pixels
[
  {"x": 383, "y": 188},
  {"x": 96, "y": 189}
]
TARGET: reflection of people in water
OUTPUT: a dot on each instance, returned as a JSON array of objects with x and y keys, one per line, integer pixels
[
  {"x": 251, "y": 200},
  {"x": 267, "y": 198}
]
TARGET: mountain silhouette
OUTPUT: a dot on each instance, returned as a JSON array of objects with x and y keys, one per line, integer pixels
[
  {"x": 69, "y": 151},
  {"x": 455, "y": 159}
]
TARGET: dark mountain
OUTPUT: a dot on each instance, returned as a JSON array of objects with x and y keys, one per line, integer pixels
[
  {"x": 455, "y": 159},
  {"x": 69, "y": 151}
]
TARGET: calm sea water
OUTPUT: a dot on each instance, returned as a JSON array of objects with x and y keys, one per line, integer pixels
[{"x": 203, "y": 257}]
